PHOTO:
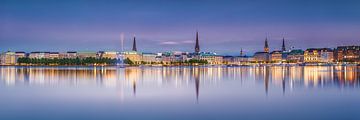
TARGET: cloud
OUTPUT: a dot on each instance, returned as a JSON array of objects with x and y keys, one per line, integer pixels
[
  {"x": 176, "y": 43},
  {"x": 188, "y": 41},
  {"x": 169, "y": 43}
]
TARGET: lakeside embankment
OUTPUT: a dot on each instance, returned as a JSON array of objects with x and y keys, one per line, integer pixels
[{"x": 228, "y": 65}]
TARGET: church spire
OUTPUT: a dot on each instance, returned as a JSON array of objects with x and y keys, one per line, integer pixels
[
  {"x": 266, "y": 47},
  {"x": 241, "y": 52},
  {"x": 283, "y": 45},
  {"x": 197, "y": 46},
  {"x": 134, "y": 45}
]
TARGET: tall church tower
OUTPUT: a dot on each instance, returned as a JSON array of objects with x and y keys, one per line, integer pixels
[
  {"x": 266, "y": 47},
  {"x": 134, "y": 45},
  {"x": 241, "y": 52},
  {"x": 197, "y": 46},
  {"x": 283, "y": 45}
]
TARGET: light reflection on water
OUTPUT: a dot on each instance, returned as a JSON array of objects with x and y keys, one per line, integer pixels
[
  {"x": 139, "y": 85},
  {"x": 309, "y": 76}
]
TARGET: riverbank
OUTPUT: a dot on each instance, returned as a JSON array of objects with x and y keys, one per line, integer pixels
[{"x": 228, "y": 65}]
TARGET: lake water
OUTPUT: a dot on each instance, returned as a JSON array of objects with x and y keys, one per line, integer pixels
[{"x": 310, "y": 92}]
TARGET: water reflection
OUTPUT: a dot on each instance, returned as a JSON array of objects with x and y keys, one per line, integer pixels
[{"x": 285, "y": 78}]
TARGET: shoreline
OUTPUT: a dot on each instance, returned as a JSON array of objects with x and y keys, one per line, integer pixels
[{"x": 230, "y": 65}]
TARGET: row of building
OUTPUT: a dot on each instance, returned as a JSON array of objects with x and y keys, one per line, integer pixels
[{"x": 311, "y": 55}]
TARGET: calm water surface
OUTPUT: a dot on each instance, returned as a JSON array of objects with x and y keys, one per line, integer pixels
[{"x": 311, "y": 92}]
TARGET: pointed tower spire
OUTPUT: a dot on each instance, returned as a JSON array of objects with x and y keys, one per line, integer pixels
[
  {"x": 134, "y": 44},
  {"x": 241, "y": 52},
  {"x": 197, "y": 46},
  {"x": 283, "y": 45},
  {"x": 266, "y": 47}
]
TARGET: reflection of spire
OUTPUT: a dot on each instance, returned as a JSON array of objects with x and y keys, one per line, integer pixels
[
  {"x": 134, "y": 88},
  {"x": 132, "y": 75},
  {"x": 197, "y": 83},
  {"x": 283, "y": 80},
  {"x": 266, "y": 80}
]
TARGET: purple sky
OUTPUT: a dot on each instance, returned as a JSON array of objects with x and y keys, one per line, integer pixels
[{"x": 224, "y": 26}]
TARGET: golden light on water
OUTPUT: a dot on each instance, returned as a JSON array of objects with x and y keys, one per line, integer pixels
[{"x": 308, "y": 76}]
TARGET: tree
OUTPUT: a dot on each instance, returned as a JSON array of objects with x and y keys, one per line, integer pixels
[{"x": 128, "y": 61}]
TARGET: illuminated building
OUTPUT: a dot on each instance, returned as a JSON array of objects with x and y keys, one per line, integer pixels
[
  {"x": 71, "y": 54},
  {"x": 237, "y": 60},
  {"x": 39, "y": 55},
  {"x": 211, "y": 58},
  {"x": 149, "y": 57},
  {"x": 312, "y": 55},
  {"x": 347, "y": 54},
  {"x": 276, "y": 56},
  {"x": 316, "y": 55},
  {"x": 8, "y": 58},
  {"x": 54, "y": 55},
  {"x": 111, "y": 55},
  {"x": 261, "y": 57},
  {"x": 295, "y": 56},
  {"x": 82, "y": 55},
  {"x": 133, "y": 56},
  {"x": 20, "y": 55},
  {"x": 326, "y": 55}
]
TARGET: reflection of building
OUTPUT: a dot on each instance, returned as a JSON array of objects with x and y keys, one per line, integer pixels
[
  {"x": 8, "y": 58},
  {"x": 347, "y": 53},
  {"x": 132, "y": 75}
]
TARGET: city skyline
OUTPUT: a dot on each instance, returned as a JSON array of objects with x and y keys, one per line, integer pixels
[{"x": 225, "y": 27}]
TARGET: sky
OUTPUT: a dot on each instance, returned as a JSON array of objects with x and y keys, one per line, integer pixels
[{"x": 224, "y": 26}]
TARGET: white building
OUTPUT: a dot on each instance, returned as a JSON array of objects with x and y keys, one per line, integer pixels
[{"x": 8, "y": 58}]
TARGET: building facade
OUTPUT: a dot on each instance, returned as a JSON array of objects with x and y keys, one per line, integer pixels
[
  {"x": 39, "y": 55},
  {"x": 276, "y": 56},
  {"x": 318, "y": 55},
  {"x": 295, "y": 56},
  {"x": 8, "y": 58},
  {"x": 261, "y": 57},
  {"x": 347, "y": 54}
]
